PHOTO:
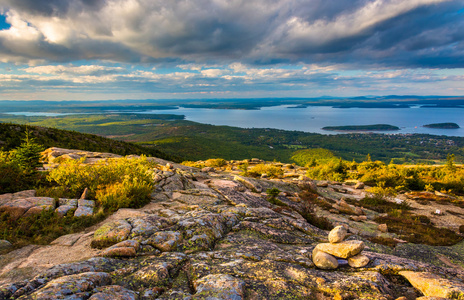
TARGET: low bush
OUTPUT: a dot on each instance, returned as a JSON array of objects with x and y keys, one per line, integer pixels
[
  {"x": 270, "y": 170},
  {"x": 379, "y": 204},
  {"x": 411, "y": 229},
  {"x": 76, "y": 176},
  {"x": 131, "y": 192},
  {"x": 216, "y": 162}
]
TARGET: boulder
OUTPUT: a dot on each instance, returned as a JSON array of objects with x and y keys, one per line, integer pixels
[
  {"x": 358, "y": 261},
  {"x": 337, "y": 234},
  {"x": 343, "y": 250},
  {"x": 324, "y": 260},
  {"x": 434, "y": 286}
]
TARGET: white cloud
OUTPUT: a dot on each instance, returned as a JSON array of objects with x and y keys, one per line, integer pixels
[{"x": 71, "y": 69}]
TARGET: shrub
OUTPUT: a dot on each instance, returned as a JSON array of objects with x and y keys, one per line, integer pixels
[
  {"x": 216, "y": 162},
  {"x": 131, "y": 192},
  {"x": 272, "y": 196},
  {"x": 270, "y": 170},
  {"x": 127, "y": 181},
  {"x": 244, "y": 168},
  {"x": 382, "y": 192},
  {"x": 193, "y": 164}
]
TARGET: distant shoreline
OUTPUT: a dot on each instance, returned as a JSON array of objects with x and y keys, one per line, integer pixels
[{"x": 374, "y": 127}]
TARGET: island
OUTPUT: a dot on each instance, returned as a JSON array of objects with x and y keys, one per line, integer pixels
[
  {"x": 375, "y": 127},
  {"x": 443, "y": 126}
]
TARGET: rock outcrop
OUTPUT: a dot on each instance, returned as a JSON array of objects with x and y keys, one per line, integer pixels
[
  {"x": 25, "y": 203},
  {"x": 215, "y": 235}
]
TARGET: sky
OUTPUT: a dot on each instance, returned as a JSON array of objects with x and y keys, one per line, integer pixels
[{"x": 176, "y": 49}]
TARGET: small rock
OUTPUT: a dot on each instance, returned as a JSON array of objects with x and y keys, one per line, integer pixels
[
  {"x": 208, "y": 169},
  {"x": 85, "y": 194},
  {"x": 337, "y": 234},
  {"x": 359, "y": 185},
  {"x": 383, "y": 228},
  {"x": 358, "y": 211},
  {"x": 324, "y": 260},
  {"x": 358, "y": 218},
  {"x": 5, "y": 245},
  {"x": 322, "y": 184},
  {"x": 358, "y": 261},
  {"x": 343, "y": 249}
]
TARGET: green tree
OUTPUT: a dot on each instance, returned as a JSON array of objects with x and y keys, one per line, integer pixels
[
  {"x": 27, "y": 156},
  {"x": 450, "y": 162}
]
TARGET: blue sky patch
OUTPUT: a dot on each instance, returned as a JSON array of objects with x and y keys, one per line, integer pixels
[{"x": 3, "y": 23}]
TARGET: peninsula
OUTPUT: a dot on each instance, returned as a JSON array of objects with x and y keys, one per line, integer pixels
[{"x": 375, "y": 127}]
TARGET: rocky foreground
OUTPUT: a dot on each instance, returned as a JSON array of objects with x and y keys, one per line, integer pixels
[{"x": 212, "y": 234}]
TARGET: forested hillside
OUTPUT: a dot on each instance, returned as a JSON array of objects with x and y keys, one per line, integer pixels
[{"x": 12, "y": 135}]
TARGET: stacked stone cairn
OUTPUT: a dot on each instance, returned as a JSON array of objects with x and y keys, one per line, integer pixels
[{"x": 327, "y": 255}]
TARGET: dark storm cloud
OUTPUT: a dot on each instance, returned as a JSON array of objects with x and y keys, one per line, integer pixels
[
  {"x": 413, "y": 33},
  {"x": 50, "y": 7}
]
